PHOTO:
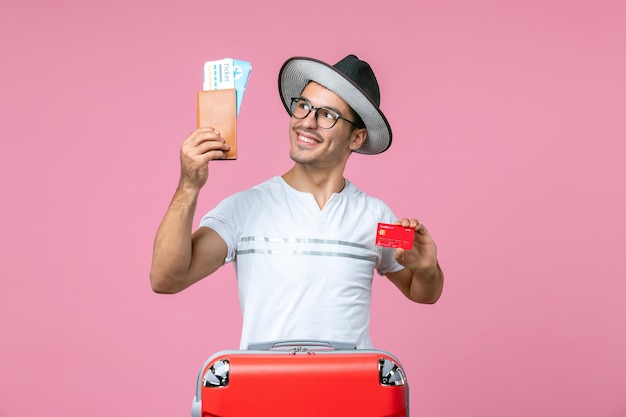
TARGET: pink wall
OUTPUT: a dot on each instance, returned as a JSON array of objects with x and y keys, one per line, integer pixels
[{"x": 510, "y": 140}]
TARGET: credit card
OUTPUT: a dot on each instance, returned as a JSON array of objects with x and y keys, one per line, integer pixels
[
  {"x": 394, "y": 236},
  {"x": 225, "y": 74}
]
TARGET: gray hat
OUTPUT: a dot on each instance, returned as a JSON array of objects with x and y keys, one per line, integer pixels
[{"x": 351, "y": 79}]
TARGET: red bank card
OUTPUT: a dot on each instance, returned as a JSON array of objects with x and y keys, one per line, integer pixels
[{"x": 394, "y": 236}]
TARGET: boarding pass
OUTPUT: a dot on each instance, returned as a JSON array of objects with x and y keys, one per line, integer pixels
[{"x": 227, "y": 73}]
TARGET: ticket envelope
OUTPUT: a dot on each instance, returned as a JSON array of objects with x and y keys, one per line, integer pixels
[
  {"x": 219, "y": 101},
  {"x": 394, "y": 236},
  {"x": 216, "y": 109}
]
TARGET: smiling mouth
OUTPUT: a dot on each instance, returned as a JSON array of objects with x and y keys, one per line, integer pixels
[{"x": 308, "y": 139}]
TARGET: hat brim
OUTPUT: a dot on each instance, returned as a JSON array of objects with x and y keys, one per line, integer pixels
[{"x": 296, "y": 73}]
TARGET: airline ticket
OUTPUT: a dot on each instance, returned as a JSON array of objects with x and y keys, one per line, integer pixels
[{"x": 225, "y": 74}]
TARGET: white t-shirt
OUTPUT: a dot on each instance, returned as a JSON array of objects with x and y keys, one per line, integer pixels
[{"x": 303, "y": 272}]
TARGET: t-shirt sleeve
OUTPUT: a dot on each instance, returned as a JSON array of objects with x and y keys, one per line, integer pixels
[{"x": 225, "y": 219}]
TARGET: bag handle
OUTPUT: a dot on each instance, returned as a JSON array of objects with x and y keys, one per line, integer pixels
[{"x": 302, "y": 345}]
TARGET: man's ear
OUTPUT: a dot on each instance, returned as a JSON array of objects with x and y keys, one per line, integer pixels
[{"x": 358, "y": 138}]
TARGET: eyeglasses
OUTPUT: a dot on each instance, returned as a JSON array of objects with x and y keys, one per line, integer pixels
[{"x": 300, "y": 109}]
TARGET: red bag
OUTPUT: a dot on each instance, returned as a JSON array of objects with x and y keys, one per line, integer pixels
[{"x": 302, "y": 378}]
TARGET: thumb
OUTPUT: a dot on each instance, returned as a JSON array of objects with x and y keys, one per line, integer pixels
[{"x": 399, "y": 255}]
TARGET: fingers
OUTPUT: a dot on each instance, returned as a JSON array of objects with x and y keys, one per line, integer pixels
[
  {"x": 202, "y": 146},
  {"x": 399, "y": 255},
  {"x": 413, "y": 223},
  {"x": 423, "y": 254},
  {"x": 206, "y": 143}
]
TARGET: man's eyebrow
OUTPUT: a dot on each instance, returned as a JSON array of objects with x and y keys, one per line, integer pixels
[{"x": 324, "y": 107}]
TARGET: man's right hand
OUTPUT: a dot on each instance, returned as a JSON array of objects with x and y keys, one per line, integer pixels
[
  {"x": 203, "y": 145},
  {"x": 181, "y": 257}
]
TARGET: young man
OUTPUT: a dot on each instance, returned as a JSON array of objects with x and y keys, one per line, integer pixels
[{"x": 302, "y": 243}]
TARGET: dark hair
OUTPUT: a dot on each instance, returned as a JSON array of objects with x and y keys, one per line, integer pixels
[{"x": 359, "y": 123}]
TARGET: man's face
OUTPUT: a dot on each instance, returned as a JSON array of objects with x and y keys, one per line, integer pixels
[{"x": 326, "y": 148}]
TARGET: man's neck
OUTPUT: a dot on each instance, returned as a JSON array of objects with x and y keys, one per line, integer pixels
[{"x": 322, "y": 185}]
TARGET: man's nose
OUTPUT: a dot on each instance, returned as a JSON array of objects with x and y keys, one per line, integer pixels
[{"x": 311, "y": 119}]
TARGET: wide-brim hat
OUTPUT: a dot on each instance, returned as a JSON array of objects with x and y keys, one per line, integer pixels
[{"x": 351, "y": 79}]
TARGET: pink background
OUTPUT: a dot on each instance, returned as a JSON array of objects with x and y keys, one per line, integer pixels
[{"x": 509, "y": 145}]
